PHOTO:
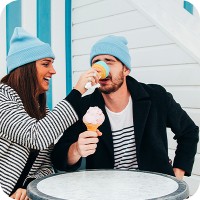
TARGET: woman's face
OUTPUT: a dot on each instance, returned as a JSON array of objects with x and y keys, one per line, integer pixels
[{"x": 45, "y": 70}]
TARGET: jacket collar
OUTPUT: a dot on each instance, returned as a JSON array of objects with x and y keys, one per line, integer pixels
[
  {"x": 141, "y": 107},
  {"x": 136, "y": 89}
]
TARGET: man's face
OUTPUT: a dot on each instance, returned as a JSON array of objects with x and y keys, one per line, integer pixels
[{"x": 116, "y": 77}]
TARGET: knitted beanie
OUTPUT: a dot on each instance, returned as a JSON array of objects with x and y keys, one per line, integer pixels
[
  {"x": 24, "y": 48},
  {"x": 112, "y": 45}
]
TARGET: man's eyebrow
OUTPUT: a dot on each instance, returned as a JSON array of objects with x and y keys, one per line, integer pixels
[
  {"x": 106, "y": 59},
  {"x": 94, "y": 61},
  {"x": 109, "y": 59}
]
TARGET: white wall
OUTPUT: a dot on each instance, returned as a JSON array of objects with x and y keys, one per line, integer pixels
[
  {"x": 29, "y": 23},
  {"x": 181, "y": 3},
  {"x": 3, "y": 69},
  {"x": 157, "y": 57}
]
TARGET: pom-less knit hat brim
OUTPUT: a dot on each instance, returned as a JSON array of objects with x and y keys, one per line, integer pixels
[
  {"x": 28, "y": 55},
  {"x": 114, "y": 46},
  {"x": 24, "y": 48}
]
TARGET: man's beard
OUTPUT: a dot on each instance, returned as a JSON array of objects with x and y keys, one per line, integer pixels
[{"x": 116, "y": 83}]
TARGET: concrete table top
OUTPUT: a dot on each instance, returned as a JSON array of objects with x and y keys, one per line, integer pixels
[{"x": 107, "y": 185}]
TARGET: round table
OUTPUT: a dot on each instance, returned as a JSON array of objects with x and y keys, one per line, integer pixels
[{"x": 107, "y": 185}]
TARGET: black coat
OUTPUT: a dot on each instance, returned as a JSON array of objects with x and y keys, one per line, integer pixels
[{"x": 154, "y": 110}]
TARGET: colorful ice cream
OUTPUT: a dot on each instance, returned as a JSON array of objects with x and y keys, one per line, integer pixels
[
  {"x": 93, "y": 118},
  {"x": 102, "y": 68}
]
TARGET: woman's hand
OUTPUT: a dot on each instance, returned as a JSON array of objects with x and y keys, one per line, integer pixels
[
  {"x": 20, "y": 194},
  {"x": 89, "y": 76}
]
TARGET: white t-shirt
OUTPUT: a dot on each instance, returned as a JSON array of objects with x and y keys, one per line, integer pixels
[{"x": 123, "y": 137}]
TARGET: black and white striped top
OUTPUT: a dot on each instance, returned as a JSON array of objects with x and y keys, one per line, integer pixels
[
  {"x": 123, "y": 137},
  {"x": 125, "y": 148},
  {"x": 19, "y": 133}
]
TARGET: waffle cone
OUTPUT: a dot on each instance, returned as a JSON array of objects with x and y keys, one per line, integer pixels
[{"x": 92, "y": 127}]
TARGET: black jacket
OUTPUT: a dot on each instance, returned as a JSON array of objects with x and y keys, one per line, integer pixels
[{"x": 154, "y": 110}]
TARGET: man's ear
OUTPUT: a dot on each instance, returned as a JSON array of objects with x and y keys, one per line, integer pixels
[{"x": 126, "y": 70}]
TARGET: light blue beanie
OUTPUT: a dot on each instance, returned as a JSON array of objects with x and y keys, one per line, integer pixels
[
  {"x": 24, "y": 48},
  {"x": 112, "y": 45}
]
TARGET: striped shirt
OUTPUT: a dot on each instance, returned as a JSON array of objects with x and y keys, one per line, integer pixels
[
  {"x": 124, "y": 149},
  {"x": 123, "y": 138},
  {"x": 19, "y": 133}
]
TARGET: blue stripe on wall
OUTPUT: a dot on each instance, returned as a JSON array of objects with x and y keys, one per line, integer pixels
[
  {"x": 68, "y": 45},
  {"x": 188, "y": 6},
  {"x": 44, "y": 33},
  {"x": 13, "y": 19}
]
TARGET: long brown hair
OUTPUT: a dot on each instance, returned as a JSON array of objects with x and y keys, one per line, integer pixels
[{"x": 24, "y": 81}]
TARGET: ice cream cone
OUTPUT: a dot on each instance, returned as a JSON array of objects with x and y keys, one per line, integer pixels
[
  {"x": 102, "y": 69},
  {"x": 93, "y": 118},
  {"x": 92, "y": 127}
]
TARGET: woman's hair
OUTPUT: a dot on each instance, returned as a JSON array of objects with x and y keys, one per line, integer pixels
[{"x": 24, "y": 81}]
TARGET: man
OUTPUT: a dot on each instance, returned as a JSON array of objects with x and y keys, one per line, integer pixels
[{"x": 133, "y": 135}]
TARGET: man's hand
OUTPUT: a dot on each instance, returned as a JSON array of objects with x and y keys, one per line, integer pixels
[
  {"x": 85, "y": 146},
  {"x": 179, "y": 173},
  {"x": 20, "y": 194}
]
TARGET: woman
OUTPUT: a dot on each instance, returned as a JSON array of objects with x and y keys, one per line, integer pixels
[{"x": 27, "y": 129}]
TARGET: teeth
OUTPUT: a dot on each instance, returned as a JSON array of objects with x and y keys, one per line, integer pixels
[{"x": 47, "y": 78}]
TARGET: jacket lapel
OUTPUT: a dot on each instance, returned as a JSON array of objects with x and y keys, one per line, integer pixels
[
  {"x": 140, "y": 114},
  {"x": 141, "y": 107}
]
